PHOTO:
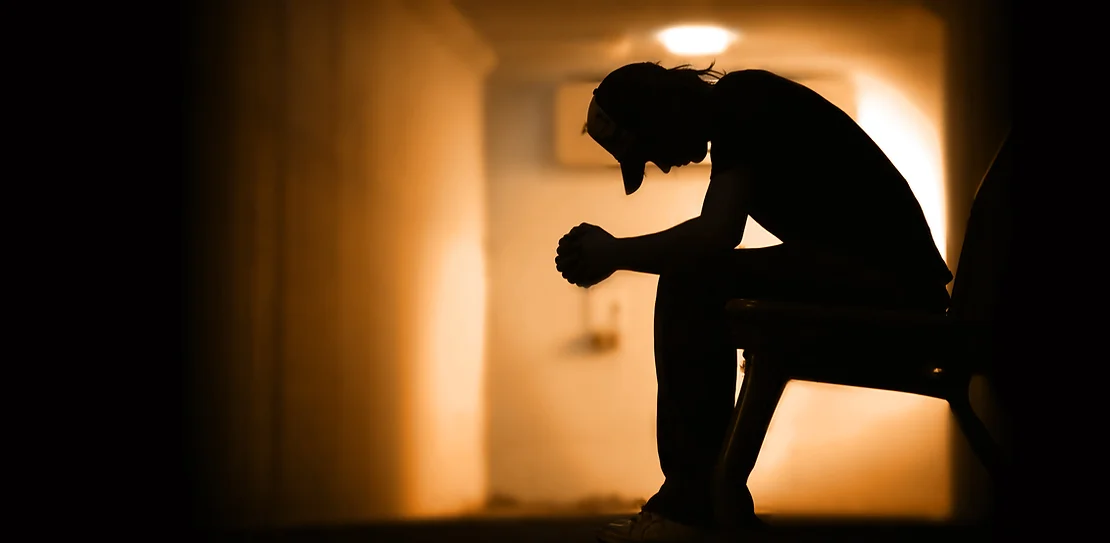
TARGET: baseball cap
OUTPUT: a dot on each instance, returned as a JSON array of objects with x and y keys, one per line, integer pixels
[{"x": 612, "y": 118}]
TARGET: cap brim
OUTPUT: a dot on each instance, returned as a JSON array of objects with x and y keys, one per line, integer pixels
[{"x": 633, "y": 173}]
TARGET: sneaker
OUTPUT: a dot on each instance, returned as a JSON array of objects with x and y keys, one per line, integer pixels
[{"x": 649, "y": 527}]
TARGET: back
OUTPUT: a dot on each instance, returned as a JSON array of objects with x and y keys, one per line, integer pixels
[{"x": 819, "y": 179}]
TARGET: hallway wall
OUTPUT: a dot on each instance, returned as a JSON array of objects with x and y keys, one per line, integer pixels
[{"x": 338, "y": 262}]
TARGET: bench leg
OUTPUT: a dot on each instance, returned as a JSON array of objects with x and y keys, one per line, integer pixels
[
  {"x": 982, "y": 444},
  {"x": 760, "y": 393}
]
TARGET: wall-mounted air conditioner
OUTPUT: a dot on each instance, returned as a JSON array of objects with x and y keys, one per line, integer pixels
[{"x": 573, "y": 148}]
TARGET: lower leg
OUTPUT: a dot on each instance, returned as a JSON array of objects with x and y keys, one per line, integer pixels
[
  {"x": 696, "y": 366},
  {"x": 696, "y": 371}
]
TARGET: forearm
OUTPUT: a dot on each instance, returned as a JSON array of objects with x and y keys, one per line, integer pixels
[{"x": 657, "y": 253}]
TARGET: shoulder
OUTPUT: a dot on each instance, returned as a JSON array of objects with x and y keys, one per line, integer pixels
[
  {"x": 750, "y": 75},
  {"x": 745, "y": 93},
  {"x": 750, "y": 81}
]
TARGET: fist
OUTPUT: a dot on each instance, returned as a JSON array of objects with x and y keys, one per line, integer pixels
[{"x": 584, "y": 255}]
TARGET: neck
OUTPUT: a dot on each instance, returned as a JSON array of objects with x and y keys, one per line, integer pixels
[{"x": 703, "y": 124}]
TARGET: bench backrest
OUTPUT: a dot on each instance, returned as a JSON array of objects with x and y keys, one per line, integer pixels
[{"x": 987, "y": 251}]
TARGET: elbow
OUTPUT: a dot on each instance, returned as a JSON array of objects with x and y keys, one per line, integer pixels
[
  {"x": 722, "y": 244},
  {"x": 710, "y": 253},
  {"x": 717, "y": 244},
  {"x": 721, "y": 235},
  {"x": 731, "y": 240},
  {"x": 719, "y": 240}
]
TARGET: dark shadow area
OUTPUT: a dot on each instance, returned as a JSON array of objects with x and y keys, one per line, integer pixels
[{"x": 584, "y": 530}]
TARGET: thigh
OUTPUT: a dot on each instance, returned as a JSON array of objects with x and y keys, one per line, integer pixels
[{"x": 806, "y": 275}]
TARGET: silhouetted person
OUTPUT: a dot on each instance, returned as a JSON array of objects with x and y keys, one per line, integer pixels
[{"x": 852, "y": 233}]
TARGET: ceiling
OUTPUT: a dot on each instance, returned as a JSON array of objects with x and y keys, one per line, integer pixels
[{"x": 586, "y": 39}]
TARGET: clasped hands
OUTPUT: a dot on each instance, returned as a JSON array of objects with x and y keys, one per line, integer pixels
[{"x": 585, "y": 255}]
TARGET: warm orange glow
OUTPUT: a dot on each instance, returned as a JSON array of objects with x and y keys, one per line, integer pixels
[
  {"x": 842, "y": 451},
  {"x": 912, "y": 141},
  {"x": 696, "y": 39},
  {"x": 362, "y": 237},
  {"x": 445, "y": 228},
  {"x": 449, "y": 475}
]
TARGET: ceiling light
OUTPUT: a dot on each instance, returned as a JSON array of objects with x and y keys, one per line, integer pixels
[{"x": 696, "y": 39}]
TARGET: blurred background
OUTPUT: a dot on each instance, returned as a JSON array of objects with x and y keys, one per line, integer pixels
[{"x": 377, "y": 330}]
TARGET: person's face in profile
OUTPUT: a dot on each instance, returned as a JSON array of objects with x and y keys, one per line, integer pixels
[
  {"x": 674, "y": 138},
  {"x": 674, "y": 146}
]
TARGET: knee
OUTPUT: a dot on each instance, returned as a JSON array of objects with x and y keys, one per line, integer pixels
[
  {"x": 689, "y": 310},
  {"x": 687, "y": 286},
  {"x": 678, "y": 283}
]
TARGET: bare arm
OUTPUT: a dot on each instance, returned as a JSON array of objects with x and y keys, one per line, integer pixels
[{"x": 719, "y": 228}]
